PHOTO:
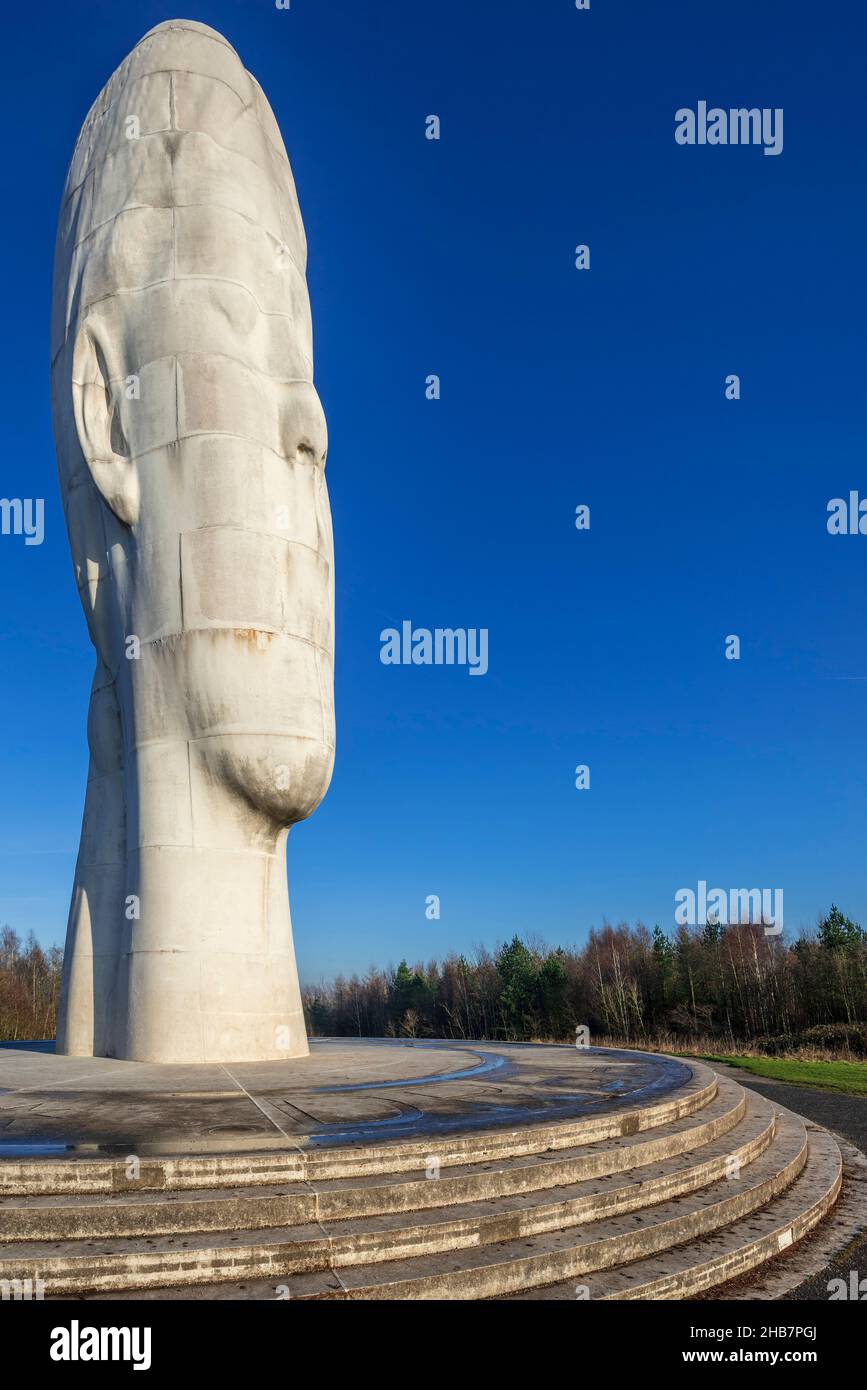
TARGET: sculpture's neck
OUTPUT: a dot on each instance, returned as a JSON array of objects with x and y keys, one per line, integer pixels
[{"x": 208, "y": 967}]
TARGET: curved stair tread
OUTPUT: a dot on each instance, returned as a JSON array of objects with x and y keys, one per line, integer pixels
[
  {"x": 738, "y": 1249},
  {"x": 545, "y": 1208},
  {"x": 419, "y": 1273},
  {"x": 527, "y": 1261},
  {"x": 146, "y": 1213},
  {"x": 301, "y": 1161}
]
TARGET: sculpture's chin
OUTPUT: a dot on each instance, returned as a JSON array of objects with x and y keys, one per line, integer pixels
[{"x": 282, "y": 781}]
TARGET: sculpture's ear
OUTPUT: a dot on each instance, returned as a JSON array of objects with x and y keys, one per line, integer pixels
[{"x": 100, "y": 432}]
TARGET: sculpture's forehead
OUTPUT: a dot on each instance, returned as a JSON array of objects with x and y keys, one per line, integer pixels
[
  {"x": 179, "y": 171},
  {"x": 180, "y": 76}
]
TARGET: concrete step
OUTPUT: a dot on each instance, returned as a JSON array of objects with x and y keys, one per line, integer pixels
[
  {"x": 793, "y": 1223},
  {"x": 145, "y": 1214},
  {"x": 691, "y": 1195},
  {"x": 566, "y": 1254},
  {"x": 697, "y": 1266},
  {"x": 586, "y": 1200},
  {"x": 303, "y": 1160}
]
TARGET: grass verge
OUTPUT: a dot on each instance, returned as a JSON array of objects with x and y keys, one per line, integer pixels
[{"x": 829, "y": 1076}]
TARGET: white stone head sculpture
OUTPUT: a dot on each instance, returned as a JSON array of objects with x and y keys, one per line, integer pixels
[{"x": 191, "y": 447}]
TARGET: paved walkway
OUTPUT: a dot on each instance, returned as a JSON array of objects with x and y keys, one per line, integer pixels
[{"x": 844, "y": 1115}]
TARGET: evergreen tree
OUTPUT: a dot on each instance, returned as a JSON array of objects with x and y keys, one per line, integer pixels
[{"x": 837, "y": 932}]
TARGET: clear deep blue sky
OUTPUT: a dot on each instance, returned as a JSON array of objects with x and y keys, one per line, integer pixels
[{"x": 558, "y": 387}]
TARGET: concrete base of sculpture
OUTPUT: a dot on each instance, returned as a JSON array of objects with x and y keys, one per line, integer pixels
[{"x": 405, "y": 1170}]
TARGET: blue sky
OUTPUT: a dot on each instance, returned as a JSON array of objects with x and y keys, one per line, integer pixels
[{"x": 559, "y": 387}]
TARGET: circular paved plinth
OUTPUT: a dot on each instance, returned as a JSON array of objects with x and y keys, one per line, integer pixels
[
  {"x": 385, "y": 1169},
  {"x": 346, "y": 1092}
]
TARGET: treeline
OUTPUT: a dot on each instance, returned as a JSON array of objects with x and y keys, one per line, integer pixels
[
  {"x": 29, "y": 987},
  {"x": 729, "y": 984}
]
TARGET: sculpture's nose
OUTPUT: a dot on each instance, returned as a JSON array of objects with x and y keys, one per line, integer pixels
[{"x": 305, "y": 432}]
